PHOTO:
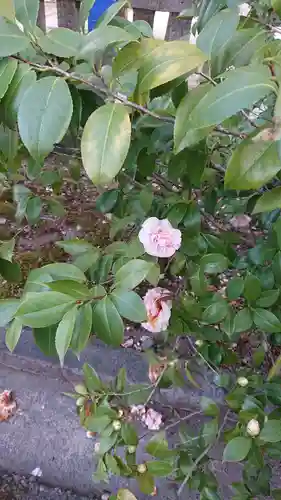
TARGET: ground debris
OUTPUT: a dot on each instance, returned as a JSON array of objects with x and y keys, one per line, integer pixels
[{"x": 8, "y": 405}]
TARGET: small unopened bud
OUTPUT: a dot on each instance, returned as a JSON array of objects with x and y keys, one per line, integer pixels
[
  {"x": 141, "y": 468},
  {"x": 242, "y": 381},
  {"x": 131, "y": 449},
  {"x": 199, "y": 343},
  {"x": 116, "y": 425},
  {"x": 253, "y": 428},
  {"x": 97, "y": 447},
  {"x": 120, "y": 413},
  {"x": 90, "y": 434},
  {"x": 80, "y": 401},
  {"x": 81, "y": 389}
]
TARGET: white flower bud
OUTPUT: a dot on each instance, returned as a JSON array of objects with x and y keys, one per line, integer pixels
[
  {"x": 81, "y": 389},
  {"x": 253, "y": 428},
  {"x": 242, "y": 381},
  {"x": 141, "y": 468},
  {"x": 90, "y": 434},
  {"x": 80, "y": 401},
  {"x": 120, "y": 413},
  {"x": 97, "y": 447},
  {"x": 199, "y": 343},
  {"x": 131, "y": 449},
  {"x": 116, "y": 425}
]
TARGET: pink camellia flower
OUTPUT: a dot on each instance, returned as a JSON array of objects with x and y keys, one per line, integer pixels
[
  {"x": 159, "y": 238},
  {"x": 158, "y": 307},
  {"x": 152, "y": 420}
]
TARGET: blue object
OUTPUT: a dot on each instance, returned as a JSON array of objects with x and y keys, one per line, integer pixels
[{"x": 99, "y": 7}]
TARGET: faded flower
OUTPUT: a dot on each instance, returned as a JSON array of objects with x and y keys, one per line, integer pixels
[
  {"x": 158, "y": 308},
  {"x": 152, "y": 420}
]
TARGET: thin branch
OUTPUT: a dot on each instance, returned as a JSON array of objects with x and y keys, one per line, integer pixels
[
  {"x": 203, "y": 454},
  {"x": 182, "y": 419}
]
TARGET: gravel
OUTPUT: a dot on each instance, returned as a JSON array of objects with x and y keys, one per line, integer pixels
[{"x": 16, "y": 487}]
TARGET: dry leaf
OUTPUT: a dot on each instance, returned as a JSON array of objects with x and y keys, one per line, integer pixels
[{"x": 8, "y": 405}]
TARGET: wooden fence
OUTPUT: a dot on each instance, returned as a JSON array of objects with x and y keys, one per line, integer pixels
[{"x": 160, "y": 14}]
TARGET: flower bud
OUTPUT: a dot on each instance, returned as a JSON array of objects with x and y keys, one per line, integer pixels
[
  {"x": 242, "y": 381},
  {"x": 199, "y": 343},
  {"x": 253, "y": 428},
  {"x": 81, "y": 389},
  {"x": 141, "y": 468},
  {"x": 80, "y": 401},
  {"x": 90, "y": 434},
  {"x": 116, "y": 425},
  {"x": 131, "y": 449},
  {"x": 97, "y": 447},
  {"x": 120, "y": 413}
]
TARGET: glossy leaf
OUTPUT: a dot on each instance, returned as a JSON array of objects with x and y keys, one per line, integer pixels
[
  {"x": 159, "y": 468},
  {"x": 237, "y": 449},
  {"x": 107, "y": 130},
  {"x": 132, "y": 273},
  {"x": 215, "y": 313},
  {"x": 85, "y": 6},
  {"x": 252, "y": 165},
  {"x": 243, "y": 320},
  {"x": 266, "y": 321},
  {"x": 12, "y": 39},
  {"x": 271, "y": 431},
  {"x": 22, "y": 80},
  {"x": 26, "y": 12},
  {"x": 129, "y": 305},
  {"x": 7, "y": 9},
  {"x": 214, "y": 263},
  {"x": 13, "y": 333},
  {"x": 235, "y": 288},
  {"x": 45, "y": 339},
  {"x": 8, "y": 308},
  {"x": 107, "y": 323},
  {"x": 82, "y": 328},
  {"x": 100, "y": 38},
  {"x": 44, "y": 115},
  {"x": 217, "y": 32},
  {"x": 168, "y": 61},
  {"x": 268, "y": 201},
  {"x": 70, "y": 287},
  {"x": 61, "y": 42},
  {"x": 39, "y": 310},
  {"x": 92, "y": 380},
  {"x": 111, "y": 12},
  {"x": 124, "y": 494},
  {"x": 64, "y": 333},
  {"x": 10, "y": 271},
  {"x": 7, "y": 70}
]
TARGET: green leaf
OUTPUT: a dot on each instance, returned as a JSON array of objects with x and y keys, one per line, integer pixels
[
  {"x": 107, "y": 442},
  {"x": 132, "y": 274},
  {"x": 33, "y": 209},
  {"x": 243, "y": 320},
  {"x": 57, "y": 271},
  {"x": 146, "y": 483},
  {"x": 129, "y": 305},
  {"x": 106, "y": 201},
  {"x": 12, "y": 39},
  {"x": 101, "y": 38},
  {"x": 271, "y": 432},
  {"x": 241, "y": 89},
  {"x": 111, "y": 12},
  {"x": 237, "y": 449},
  {"x": 22, "y": 80},
  {"x": 252, "y": 165},
  {"x": 167, "y": 61},
  {"x": 127, "y": 59},
  {"x": 217, "y": 32},
  {"x": 7, "y": 9},
  {"x": 9, "y": 141},
  {"x": 215, "y": 313},
  {"x": 97, "y": 424},
  {"x": 10, "y": 271},
  {"x": 268, "y": 298},
  {"x": 70, "y": 287},
  {"x": 44, "y": 115},
  {"x": 39, "y": 310},
  {"x": 107, "y": 323},
  {"x": 266, "y": 321},
  {"x": 111, "y": 464},
  {"x": 252, "y": 287},
  {"x": 129, "y": 434},
  {"x": 7, "y": 70},
  {"x": 84, "y": 10},
  {"x": 8, "y": 308},
  {"x": 13, "y": 333},
  {"x": 209, "y": 407},
  {"x": 108, "y": 129},
  {"x": 75, "y": 247},
  {"x": 159, "y": 468},
  {"x": 7, "y": 249},
  {"x": 62, "y": 42},
  {"x": 159, "y": 448},
  {"x": 214, "y": 263},
  {"x": 64, "y": 333},
  {"x": 91, "y": 377},
  {"x": 82, "y": 328},
  {"x": 268, "y": 201},
  {"x": 235, "y": 288},
  {"x": 45, "y": 339},
  {"x": 26, "y": 12}
]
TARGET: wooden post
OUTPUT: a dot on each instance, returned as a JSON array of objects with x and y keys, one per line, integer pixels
[
  {"x": 67, "y": 14},
  {"x": 41, "y": 19}
]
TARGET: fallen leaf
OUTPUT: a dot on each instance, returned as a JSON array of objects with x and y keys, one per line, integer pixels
[{"x": 8, "y": 405}]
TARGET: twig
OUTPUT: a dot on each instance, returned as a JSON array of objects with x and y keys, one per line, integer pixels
[
  {"x": 156, "y": 385},
  {"x": 201, "y": 355},
  {"x": 203, "y": 454},
  {"x": 182, "y": 419}
]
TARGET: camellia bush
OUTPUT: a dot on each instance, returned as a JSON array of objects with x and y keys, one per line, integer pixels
[{"x": 183, "y": 143}]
